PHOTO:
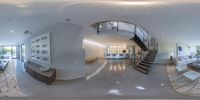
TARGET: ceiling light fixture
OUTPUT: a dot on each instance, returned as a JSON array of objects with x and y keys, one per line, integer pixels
[
  {"x": 162, "y": 84},
  {"x": 100, "y": 26},
  {"x": 12, "y": 31},
  {"x": 120, "y": 2},
  {"x": 137, "y": 3},
  {"x": 22, "y": 6},
  {"x": 117, "y": 82}
]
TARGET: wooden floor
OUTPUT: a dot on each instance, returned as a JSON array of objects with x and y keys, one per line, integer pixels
[
  {"x": 116, "y": 75},
  {"x": 8, "y": 84},
  {"x": 181, "y": 84},
  {"x": 116, "y": 79}
]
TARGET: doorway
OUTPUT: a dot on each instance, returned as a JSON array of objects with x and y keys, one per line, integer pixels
[
  {"x": 8, "y": 52},
  {"x": 22, "y": 52}
]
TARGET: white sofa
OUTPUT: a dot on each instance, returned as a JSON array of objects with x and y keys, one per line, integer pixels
[
  {"x": 3, "y": 64},
  {"x": 183, "y": 60},
  {"x": 181, "y": 68}
]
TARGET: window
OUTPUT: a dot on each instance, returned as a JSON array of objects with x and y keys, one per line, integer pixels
[
  {"x": 8, "y": 52},
  {"x": 23, "y": 52}
]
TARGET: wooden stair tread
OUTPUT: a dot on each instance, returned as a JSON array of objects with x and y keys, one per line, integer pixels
[
  {"x": 149, "y": 58},
  {"x": 148, "y": 61},
  {"x": 143, "y": 66},
  {"x": 141, "y": 70}
]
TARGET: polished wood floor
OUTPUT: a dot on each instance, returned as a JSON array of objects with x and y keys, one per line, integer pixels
[{"x": 8, "y": 81}]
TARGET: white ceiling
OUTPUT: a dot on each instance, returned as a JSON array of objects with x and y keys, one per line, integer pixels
[{"x": 166, "y": 19}]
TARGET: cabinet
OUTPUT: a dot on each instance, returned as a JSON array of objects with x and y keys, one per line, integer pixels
[{"x": 33, "y": 69}]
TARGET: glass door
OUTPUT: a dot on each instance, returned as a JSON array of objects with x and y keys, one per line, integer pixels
[
  {"x": 7, "y": 52},
  {"x": 14, "y": 52},
  {"x": 1, "y": 53},
  {"x": 22, "y": 52}
]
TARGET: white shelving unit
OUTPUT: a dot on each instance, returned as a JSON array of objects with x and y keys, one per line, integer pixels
[{"x": 40, "y": 48}]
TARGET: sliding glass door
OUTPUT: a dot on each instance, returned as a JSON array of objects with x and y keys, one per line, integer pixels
[
  {"x": 22, "y": 52},
  {"x": 8, "y": 52},
  {"x": 14, "y": 52},
  {"x": 1, "y": 52}
]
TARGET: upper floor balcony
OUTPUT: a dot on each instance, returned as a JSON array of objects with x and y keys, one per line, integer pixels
[{"x": 140, "y": 36}]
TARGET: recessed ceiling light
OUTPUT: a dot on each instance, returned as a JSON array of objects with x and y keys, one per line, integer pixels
[
  {"x": 22, "y": 6},
  {"x": 162, "y": 84},
  {"x": 117, "y": 82},
  {"x": 100, "y": 26},
  {"x": 12, "y": 31}
]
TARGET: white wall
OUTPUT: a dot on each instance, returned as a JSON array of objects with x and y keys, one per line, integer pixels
[
  {"x": 93, "y": 51},
  {"x": 165, "y": 50},
  {"x": 66, "y": 50},
  {"x": 187, "y": 49},
  {"x": 169, "y": 48}
]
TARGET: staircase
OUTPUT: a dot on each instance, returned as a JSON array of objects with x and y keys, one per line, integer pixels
[
  {"x": 139, "y": 42},
  {"x": 145, "y": 65}
]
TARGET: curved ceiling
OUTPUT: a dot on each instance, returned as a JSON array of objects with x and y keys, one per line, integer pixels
[{"x": 168, "y": 20}]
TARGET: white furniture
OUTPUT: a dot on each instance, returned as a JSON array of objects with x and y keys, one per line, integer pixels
[
  {"x": 191, "y": 75},
  {"x": 117, "y": 56},
  {"x": 3, "y": 64},
  {"x": 185, "y": 60},
  {"x": 181, "y": 68},
  {"x": 40, "y": 47}
]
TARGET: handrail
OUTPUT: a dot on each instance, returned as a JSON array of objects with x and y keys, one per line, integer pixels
[
  {"x": 131, "y": 28},
  {"x": 116, "y": 26},
  {"x": 155, "y": 47}
]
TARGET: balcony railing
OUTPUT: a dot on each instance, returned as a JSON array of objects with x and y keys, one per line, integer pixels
[{"x": 135, "y": 32}]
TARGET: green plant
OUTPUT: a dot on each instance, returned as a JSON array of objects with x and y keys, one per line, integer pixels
[{"x": 198, "y": 52}]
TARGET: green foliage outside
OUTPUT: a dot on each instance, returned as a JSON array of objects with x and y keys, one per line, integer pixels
[
  {"x": 198, "y": 52},
  {"x": 4, "y": 51}
]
